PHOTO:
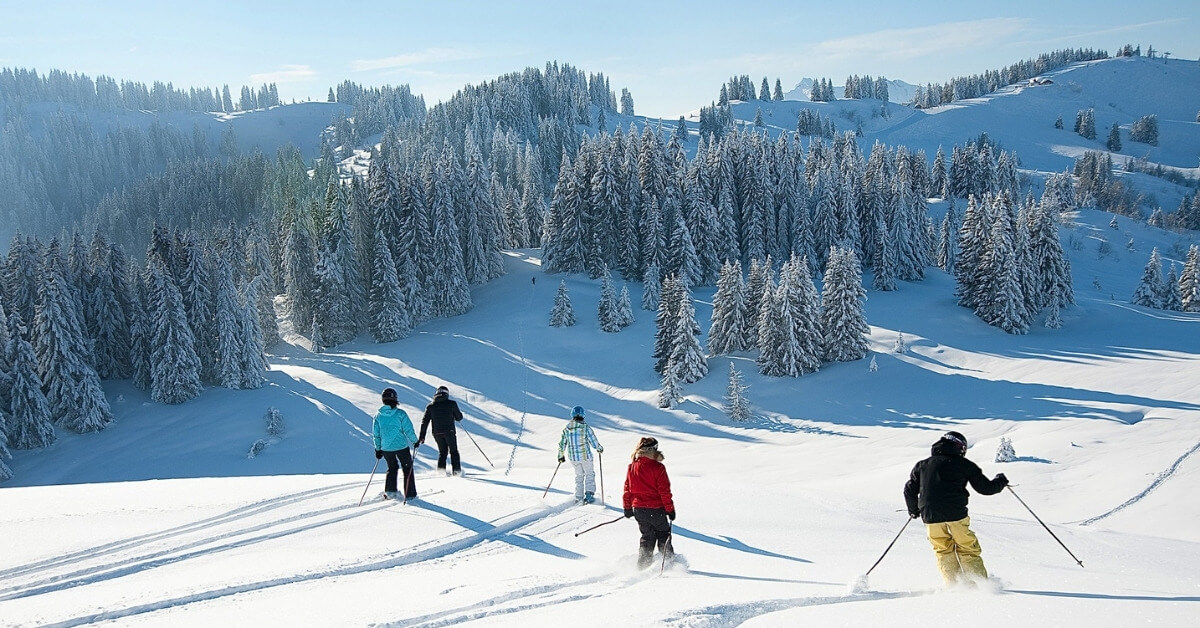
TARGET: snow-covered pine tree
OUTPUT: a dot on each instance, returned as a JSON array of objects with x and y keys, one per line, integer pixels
[
  {"x": 563, "y": 314},
  {"x": 298, "y": 264},
  {"x": 106, "y": 320},
  {"x": 771, "y": 331},
  {"x": 947, "y": 253},
  {"x": 884, "y": 279},
  {"x": 805, "y": 303},
  {"x": 737, "y": 406},
  {"x": 253, "y": 361},
  {"x": 1002, "y": 301},
  {"x": 193, "y": 275},
  {"x": 390, "y": 319},
  {"x": 29, "y": 418},
  {"x": 76, "y": 399},
  {"x": 258, "y": 271},
  {"x": 1189, "y": 281},
  {"x": 844, "y": 326},
  {"x": 450, "y": 294},
  {"x": 666, "y": 322},
  {"x": 1172, "y": 298},
  {"x": 756, "y": 281},
  {"x": 1149, "y": 290},
  {"x": 173, "y": 363},
  {"x": 1051, "y": 268},
  {"x": 227, "y": 326},
  {"x": 651, "y": 287},
  {"x": 1005, "y": 452},
  {"x": 607, "y": 312},
  {"x": 874, "y": 366},
  {"x": 687, "y": 356},
  {"x": 274, "y": 420},
  {"x": 900, "y": 346},
  {"x": 669, "y": 391},
  {"x": 624, "y": 307},
  {"x": 727, "y": 332}
]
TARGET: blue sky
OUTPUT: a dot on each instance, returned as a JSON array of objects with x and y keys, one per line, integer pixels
[{"x": 673, "y": 56}]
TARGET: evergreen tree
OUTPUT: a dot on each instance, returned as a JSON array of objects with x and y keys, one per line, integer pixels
[
  {"x": 666, "y": 322},
  {"x": 885, "y": 265},
  {"x": 390, "y": 319},
  {"x": 608, "y": 313},
  {"x": 900, "y": 346},
  {"x": 686, "y": 355},
  {"x": 107, "y": 320},
  {"x": 1114, "y": 139},
  {"x": 173, "y": 364},
  {"x": 1149, "y": 290},
  {"x": 777, "y": 95},
  {"x": 73, "y": 389},
  {"x": 1005, "y": 453},
  {"x": 1002, "y": 302},
  {"x": 253, "y": 361},
  {"x": 669, "y": 391},
  {"x": 562, "y": 315},
  {"x": 947, "y": 253},
  {"x": 737, "y": 407},
  {"x": 298, "y": 264},
  {"x": 624, "y": 308},
  {"x": 651, "y": 288},
  {"x": 228, "y": 328},
  {"x": 1050, "y": 266},
  {"x": 1172, "y": 298},
  {"x": 844, "y": 326},
  {"x": 28, "y": 411},
  {"x": 194, "y": 279},
  {"x": 450, "y": 295},
  {"x": 1189, "y": 281},
  {"x": 727, "y": 332}
]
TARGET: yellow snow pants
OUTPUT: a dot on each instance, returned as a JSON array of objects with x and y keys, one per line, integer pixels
[{"x": 957, "y": 549}]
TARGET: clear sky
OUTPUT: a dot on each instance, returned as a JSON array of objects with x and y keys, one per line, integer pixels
[{"x": 673, "y": 56}]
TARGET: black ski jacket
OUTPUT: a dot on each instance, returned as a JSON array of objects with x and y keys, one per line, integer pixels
[
  {"x": 937, "y": 486},
  {"x": 442, "y": 412}
]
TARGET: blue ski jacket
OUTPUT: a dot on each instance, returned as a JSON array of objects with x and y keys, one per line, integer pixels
[{"x": 393, "y": 430}]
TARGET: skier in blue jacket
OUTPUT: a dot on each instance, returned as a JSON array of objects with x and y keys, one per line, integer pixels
[{"x": 394, "y": 434}]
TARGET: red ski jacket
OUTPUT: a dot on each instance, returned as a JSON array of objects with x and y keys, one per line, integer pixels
[{"x": 647, "y": 485}]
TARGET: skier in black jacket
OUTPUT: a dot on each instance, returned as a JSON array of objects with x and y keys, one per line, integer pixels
[
  {"x": 443, "y": 413},
  {"x": 937, "y": 493}
]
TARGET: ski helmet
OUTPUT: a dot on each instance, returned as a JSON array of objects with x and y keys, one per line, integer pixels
[
  {"x": 442, "y": 390},
  {"x": 389, "y": 396},
  {"x": 577, "y": 411},
  {"x": 958, "y": 439}
]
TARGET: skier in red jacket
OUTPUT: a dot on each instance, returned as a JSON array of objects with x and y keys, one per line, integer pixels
[{"x": 648, "y": 498}]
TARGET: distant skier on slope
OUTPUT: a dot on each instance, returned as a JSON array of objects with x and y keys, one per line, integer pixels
[
  {"x": 648, "y": 498},
  {"x": 443, "y": 413},
  {"x": 577, "y": 442},
  {"x": 393, "y": 434},
  {"x": 936, "y": 492}
]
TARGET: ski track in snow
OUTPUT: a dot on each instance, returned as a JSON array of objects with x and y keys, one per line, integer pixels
[
  {"x": 435, "y": 549},
  {"x": 729, "y": 615},
  {"x": 1158, "y": 481},
  {"x": 234, "y": 515}
]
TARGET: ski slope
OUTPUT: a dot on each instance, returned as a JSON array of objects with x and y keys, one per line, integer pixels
[{"x": 163, "y": 520}]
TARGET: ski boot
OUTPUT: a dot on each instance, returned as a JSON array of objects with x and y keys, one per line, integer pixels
[{"x": 589, "y": 497}]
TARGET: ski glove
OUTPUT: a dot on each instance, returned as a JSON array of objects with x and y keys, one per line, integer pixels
[
  {"x": 562, "y": 459},
  {"x": 1002, "y": 479},
  {"x": 912, "y": 514},
  {"x": 378, "y": 454},
  {"x": 628, "y": 513},
  {"x": 671, "y": 515}
]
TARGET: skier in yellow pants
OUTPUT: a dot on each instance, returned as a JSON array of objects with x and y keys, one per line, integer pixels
[{"x": 937, "y": 493}]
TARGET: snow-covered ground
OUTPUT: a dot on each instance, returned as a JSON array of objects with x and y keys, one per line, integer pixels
[{"x": 163, "y": 520}]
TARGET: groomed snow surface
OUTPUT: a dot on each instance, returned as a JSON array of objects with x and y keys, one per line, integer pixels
[{"x": 778, "y": 516}]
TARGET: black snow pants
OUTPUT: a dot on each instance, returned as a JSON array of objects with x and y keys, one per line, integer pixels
[
  {"x": 656, "y": 532},
  {"x": 396, "y": 460},
  {"x": 447, "y": 443}
]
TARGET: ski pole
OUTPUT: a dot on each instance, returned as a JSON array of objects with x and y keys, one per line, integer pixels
[
  {"x": 478, "y": 447},
  {"x": 889, "y": 548},
  {"x": 364, "y": 495},
  {"x": 665, "y": 546},
  {"x": 408, "y": 478},
  {"x": 551, "y": 479},
  {"x": 600, "y": 525},
  {"x": 600, "y": 455},
  {"x": 1039, "y": 520}
]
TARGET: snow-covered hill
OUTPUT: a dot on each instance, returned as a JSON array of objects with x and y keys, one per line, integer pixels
[
  {"x": 898, "y": 91},
  {"x": 163, "y": 519}
]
